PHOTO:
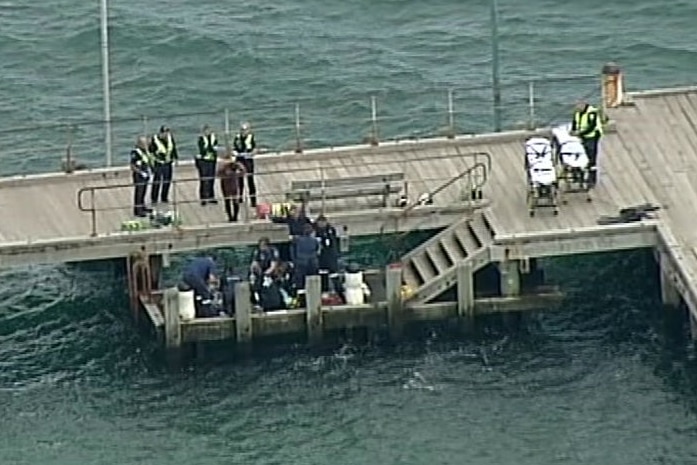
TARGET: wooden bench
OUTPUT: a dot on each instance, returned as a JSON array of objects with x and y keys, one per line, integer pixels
[{"x": 344, "y": 188}]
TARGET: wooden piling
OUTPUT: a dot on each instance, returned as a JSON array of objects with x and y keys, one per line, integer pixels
[
  {"x": 173, "y": 337},
  {"x": 313, "y": 299},
  {"x": 510, "y": 278},
  {"x": 395, "y": 307},
  {"x": 243, "y": 317},
  {"x": 670, "y": 295},
  {"x": 465, "y": 290}
]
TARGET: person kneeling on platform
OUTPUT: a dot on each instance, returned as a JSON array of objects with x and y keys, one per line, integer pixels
[
  {"x": 265, "y": 261},
  {"x": 304, "y": 254},
  {"x": 200, "y": 275}
]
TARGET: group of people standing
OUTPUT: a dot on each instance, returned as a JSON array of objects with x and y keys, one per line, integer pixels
[{"x": 152, "y": 162}]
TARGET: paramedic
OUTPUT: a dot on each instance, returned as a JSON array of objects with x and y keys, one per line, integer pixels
[
  {"x": 265, "y": 260},
  {"x": 205, "y": 165},
  {"x": 328, "y": 251},
  {"x": 296, "y": 219},
  {"x": 141, "y": 165},
  {"x": 199, "y": 274},
  {"x": 588, "y": 126},
  {"x": 245, "y": 147},
  {"x": 164, "y": 152},
  {"x": 304, "y": 252}
]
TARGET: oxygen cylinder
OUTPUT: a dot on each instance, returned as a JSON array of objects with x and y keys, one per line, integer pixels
[{"x": 187, "y": 307}]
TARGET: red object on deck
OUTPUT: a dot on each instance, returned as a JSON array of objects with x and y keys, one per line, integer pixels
[{"x": 395, "y": 265}]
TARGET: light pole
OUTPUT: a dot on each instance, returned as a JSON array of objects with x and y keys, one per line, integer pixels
[
  {"x": 495, "y": 72},
  {"x": 105, "y": 81}
]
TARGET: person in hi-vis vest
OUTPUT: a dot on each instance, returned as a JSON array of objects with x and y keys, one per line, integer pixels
[
  {"x": 164, "y": 153},
  {"x": 245, "y": 147},
  {"x": 206, "y": 161},
  {"x": 587, "y": 125}
]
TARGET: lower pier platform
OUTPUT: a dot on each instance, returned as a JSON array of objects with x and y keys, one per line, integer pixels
[{"x": 389, "y": 310}]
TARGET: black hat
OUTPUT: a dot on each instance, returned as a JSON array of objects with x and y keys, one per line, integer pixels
[{"x": 164, "y": 128}]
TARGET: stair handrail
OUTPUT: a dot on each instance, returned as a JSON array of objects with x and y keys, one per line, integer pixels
[{"x": 478, "y": 167}]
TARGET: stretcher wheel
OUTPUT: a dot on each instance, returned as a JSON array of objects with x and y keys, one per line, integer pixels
[
  {"x": 556, "y": 212},
  {"x": 589, "y": 199},
  {"x": 532, "y": 213}
]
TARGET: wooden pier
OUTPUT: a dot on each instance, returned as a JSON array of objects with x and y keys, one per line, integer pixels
[{"x": 648, "y": 155}]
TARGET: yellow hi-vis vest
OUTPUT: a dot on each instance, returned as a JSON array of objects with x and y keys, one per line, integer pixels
[
  {"x": 210, "y": 145},
  {"x": 145, "y": 158},
  {"x": 164, "y": 152},
  {"x": 581, "y": 122}
]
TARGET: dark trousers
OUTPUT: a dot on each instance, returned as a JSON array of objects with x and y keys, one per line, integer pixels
[
  {"x": 162, "y": 177},
  {"x": 199, "y": 286},
  {"x": 591, "y": 148},
  {"x": 206, "y": 174},
  {"x": 303, "y": 269},
  {"x": 232, "y": 208},
  {"x": 248, "y": 164},
  {"x": 140, "y": 185}
]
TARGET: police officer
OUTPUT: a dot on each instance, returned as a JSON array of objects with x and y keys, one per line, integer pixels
[
  {"x": 205, "y": 164},
  {"x": 245, "y": 147},
  {"x": 588, "y": 126},
  {"x": 164, "y": 152},
  {"x": 304, "y": 254},
  {"x": 328, "y": 251},
  {"x": 141, "y": 165}
]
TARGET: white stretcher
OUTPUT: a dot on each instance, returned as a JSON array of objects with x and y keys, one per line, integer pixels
[
  {"x": 538, "y": 150},
  {"x": 570, "y": 149},
  {"x": 543, "y": 173}
]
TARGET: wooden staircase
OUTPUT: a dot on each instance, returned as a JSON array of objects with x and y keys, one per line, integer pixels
[{"x": 430, "y": 268}]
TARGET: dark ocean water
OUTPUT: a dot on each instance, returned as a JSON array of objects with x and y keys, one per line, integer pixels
[{"x": 609, "y": 378}]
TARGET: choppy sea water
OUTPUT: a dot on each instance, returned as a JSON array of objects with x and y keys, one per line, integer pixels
[{"x": 603, "y": 380}]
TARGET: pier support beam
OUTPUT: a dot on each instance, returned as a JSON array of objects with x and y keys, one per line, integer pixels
[
  {"x": 510, "y": 278},
  {"x": 465, "y": 290},
  {"x": 669, "y": 291},
  {"x": 395, "y": 305},
  {"x": 313, "y": 304},
  {"x": 693, "y": 324},
  {"x": 243, "y": 317},
  {"x": 173, "y": 335}
]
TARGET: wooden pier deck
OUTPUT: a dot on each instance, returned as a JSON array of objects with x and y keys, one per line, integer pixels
[{"x": 650, "y": 156}]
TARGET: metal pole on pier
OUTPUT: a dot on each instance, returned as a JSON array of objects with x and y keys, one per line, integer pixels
[
  {"x": 495, "y": 72},
  {"x": 105, "y": 81}
]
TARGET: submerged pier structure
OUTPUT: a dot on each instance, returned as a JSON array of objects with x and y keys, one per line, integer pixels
[{"x": 478, "y": 189}]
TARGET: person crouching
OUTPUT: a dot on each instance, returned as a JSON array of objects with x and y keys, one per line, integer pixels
[{"x": 230, "y": 173}]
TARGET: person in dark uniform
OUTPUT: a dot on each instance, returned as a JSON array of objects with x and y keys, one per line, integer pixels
[
  {"x": 265, "y": 260},
  {"x": 199, "y": 275},
  {"x": 328, "y": 252},
  {"x": 296, "y": 221},
  {"x": 141, "y": 165},
  {"x": 304, "y": 254},
  {"x": 588, "y": 126},
  {"x": 230, "y": 173},
  {"x": 245, "y": 147},
  {"x": 205, "y": 164},
  {"x": 164, "y": 151}
]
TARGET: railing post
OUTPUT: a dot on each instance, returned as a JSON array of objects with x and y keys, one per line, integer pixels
[
  {"x": 451, "y": 116},
  {"x": 531, "y": 104},
  {"x": 69, "y": 165},
  {"x": 144, "y": 122},
  {"x": 93, "y": 211},
  {"x": 298, "y": 135},
  {"x": 323, "y": 189},
  {"x": 374, "y": 137},
  {"x": 227, "y": 131}
]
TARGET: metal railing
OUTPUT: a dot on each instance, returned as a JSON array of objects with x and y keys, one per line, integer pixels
[
  {"x": 475, "y": 176},
  {"x": 371, "y": 117}
]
